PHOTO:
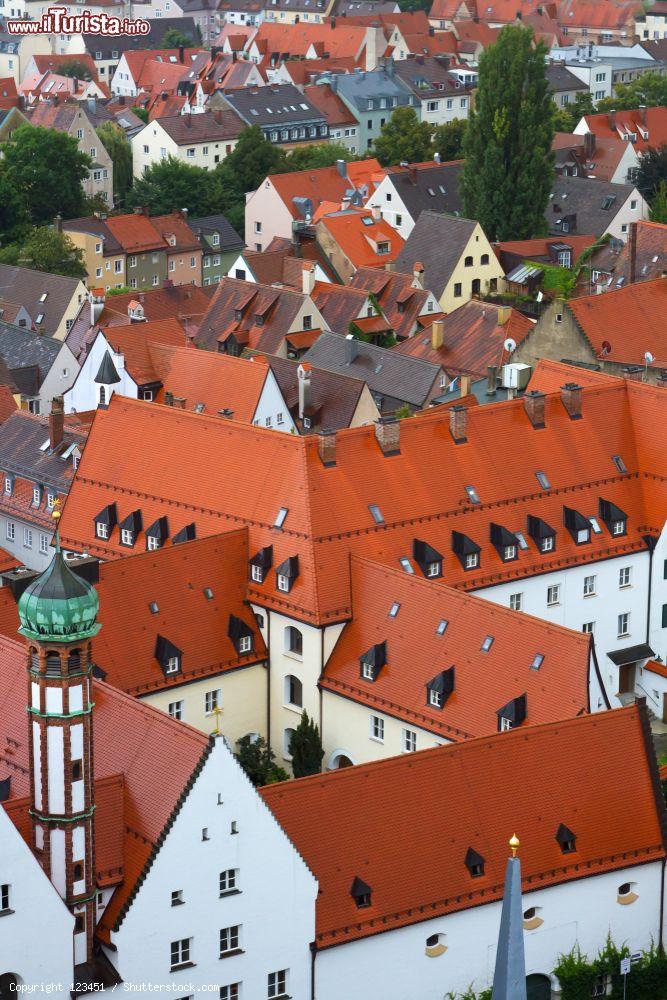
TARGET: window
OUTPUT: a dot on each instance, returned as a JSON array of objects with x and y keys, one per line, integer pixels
[
  {"x": 229, "y": 940},
  {"x": 293, "y": 641},
  {"x": 10, "y": 531},
  {"x": 553, "y": 595},
  {"x": 177, "y": 897},
  {"x": 377, "y": 728},
  {"x": 472, "y": 560},
  {"x": 458, "y": 290},
  {"x": 173, "y": 665},
  {"x": 44, "y": 544},
  {"x": 516, "y": 602},
  {"x": 487, "y": 644},
  {"x": 433, "y": 569},
  {"x": 152, "y": 543},
  {"x": 176, "y": 710},
  {"x": 211, "y": 701},
  {"x": 394, "y": 609},
  {"x": 4, "y": 898},
  {"x": 287, "y": 743},
  {"x": 36, "y": 496},
  {"x": 180, "y": 952},
  {"x": 435, "y": 698},
  {"x": 509, "y": 553},
  {"x": 409, "y": 741},
  {"x": 231, "y": 992},
  {"x": 228, "y": 881},
  {"x": 245, "y": 644},
  {"x": 126, "y": 536},
  {"x": 376, "y": 513},
  {"x": 277, "y": 984},
  {"x": 367, "y": 672},
  {"x": 467, "y": 262},
  {"x": 589, "y": 586},
  {"x": 624, "y": 625},
  {"x": 624, "y": 576},
  {"x": 505, "y": 724},
  {"x": 9, "y": 485},
  {"x": 588, "y": 628},
  {"x": 484, "y": 259},
  {"x": 618, "y": 527},
  {"x": 27, "y": 538},
  {"x": 547, "y": 543},
  {"x": 294, "y": 691}
]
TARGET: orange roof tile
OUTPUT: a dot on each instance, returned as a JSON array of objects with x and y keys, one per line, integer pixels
[
  {"x": 549, "y": 376},
  {"x": 631, "y": 320},
  {"x": 477, "y": 794},
  {"x": 623, "y": 122},
  {"x": 133, "y": 341},
  {"x": 356, "y": 232},
  {"x": 324, "y": 182},
  {"x": 135, "y": 232}
]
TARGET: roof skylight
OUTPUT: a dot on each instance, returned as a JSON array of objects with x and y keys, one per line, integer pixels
[
  {"x": 280, "y": 517},
  {"x": 442, "y": 626},
  {"x": 487, "y": 644},
  {"x": 394, "y": 609},
  {"x": 543, "y": 480},
  {"x": 376, "y": 513},
  {"x": 472, "y": 494}
]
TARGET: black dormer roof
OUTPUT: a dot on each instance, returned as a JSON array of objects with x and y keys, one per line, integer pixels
[
  {"x": 133, "y": 522},
  {"x": 263, "y": 558},
  {"x": 360, "y": 892},
  {"x": 574, "y": 522},
  {"x": 108, "y": 515},
  {"x": 289, "y": 568},
  {"x": 237, "y": 628},
  {"x": 474, "y": 860},
  {"x": 563, "y": 835},
  {"x": 164, "y": 650},
  {"x": 187, "y": 534},
  {"x": 501, "y": 538},
  {"x": 443, "y": 683},
  {"x": 539, "y": 529},
  {"x": 5, "y": 789},
  {"x": 98, "y": 673},
  {"x": 610, "y": 513},
  {"x": 515, "y": 710},
  {"x": 106, "y": 373},
  {"x": 375, "y": 657},
  {"x": 159, "y": 529},
  {"x": 424, "y": 554},
  {"x": 463, "y": 546}
]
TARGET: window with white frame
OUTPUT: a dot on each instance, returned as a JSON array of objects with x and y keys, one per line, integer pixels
[
  {"x": 588, "y": 628},
  {"x": 230, "y": 992},
  {"x": 181, "y": 952},
  {"x": 553, "y": 595},
  {"x": 624, "y": 624},
  {"x": 624, "y": 576},
  {"x": 283, "y": 583},
  {"x": 293, "y": 691},
  {"x": 409, "y": 741},
  {"x": 435, "y": 698},
  {"x": 589, "y": 586},
  {"x": 505, "y": 724},
  {"x": 293, "y": 641},
  {"x": 472, "y": 560},
  {"x": 212, "y": 701},
  {"x": 127, "y": 536},
  {"x": 377, "y": 728},
  {"x": 547, "y": 543},
  {"x": 176, "y": 709},
  {"x": 152, "y": 543},
  {"x": 230, "y": 938},
  {"x": 228, "y": 879},
  {"x": 173, "y": 665},
  {"x": 101, "y": 529},
  {"x": 277, "y": 984},
  {"x": 43, "y": 544},
  {"x": 245, "y": 644},
  {"x": 27, "y": 538},
  {"x": 516, "y": 602},
  {"x": 9, "y": 483},
  {"x": 36, "y": 496},
  {"x": 10, "y": 531}
]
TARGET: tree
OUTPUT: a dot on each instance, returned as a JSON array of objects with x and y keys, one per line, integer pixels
[
  {"x": 508, "y": 174},
  {"x": 116, "y": 144},
  {"x": 649, "y": 89},
  {"x": 403, "y": 139},
  {"x": 48, "y": 167},
  {"x": 252, "y": 159},
  {"x": 14, "y": 217},
  {"x": 76, "y": 69},
  {"x": 448, "y": 139},
  {"x": 659, "y": 205},
  {"x": 46, "y": 249},
  {"x": 169, "y": 184},
  {"x": 652, "y": 171},
  {"x": 305, "y": 748},
  {"x": 568, "y": 117},
  {"x": 257, "y": 760},
  {"x": 312, "y": 157},
  {"x": 173, "y": 38},
  {"x": 141, "y": 113}
]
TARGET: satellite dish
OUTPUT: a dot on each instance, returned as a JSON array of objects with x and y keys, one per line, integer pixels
[
  {"x": 648, "y": 358},
  {"x": 510, "y": 345},
  {"x": 606, "y": 347}
]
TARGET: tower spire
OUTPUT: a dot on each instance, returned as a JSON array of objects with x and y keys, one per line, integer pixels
[{"x": 509, "y": 980}]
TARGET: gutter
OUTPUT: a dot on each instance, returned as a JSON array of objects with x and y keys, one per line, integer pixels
[{"x": 650, "y": 545}]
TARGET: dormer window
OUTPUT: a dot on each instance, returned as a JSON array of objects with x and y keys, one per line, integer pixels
[
  {"x": 439, "y": 688},
  {"x": 474, "y": 862},
  {"x": 472, "y": 560},
  {"x": 372, "y": 661},
  {"x": 466, "y": 550},
  {"x": 427, "y": 558},
  {"x": 512, "y": 714},
  {"x": 504, "y": 542},
  {"x": 169, "y": 656},
  {"x": 542, "y": 534},
  {"x": 260, "y": 564},
  {"x": 547, "y": 544},
  {"x": 241, "y": 635},
  {"x": 36, "y": 496},
  {"x": 187, "y": 534},
  {"x": 157, "y": 534},
  {"x": 578, "y": 525},
  {"x": 287, "y": 573},
  {"x": 509, "y": 552},
  {"x": 9, "y": 485},
  {"x": 50, "y": 500},
  {"x": 566, "y": 839},
  {"x": 361, "y": 893},
  {"x": 106, "y": 521},
  {"x": 173, "y": 665},
  {"x": 615, "y": 519},
  {"x": 130, "y": 528}
]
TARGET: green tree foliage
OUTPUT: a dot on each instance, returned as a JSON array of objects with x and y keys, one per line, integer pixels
[
  {"x": 658, "y": 211},
  {"x": 649, "y": 89},
  {"x": 76, "y": 69},
  {"x": 116, "y": 144},
  {"x": 578, "y": 975},
  {"x": 46, "y": 249},
  {"x": 403, "y": 138},
  {"x": 652, "y": 171},
  {"x": 123, "y": 290},
  {"x": 48, "y": 168},
  {"x": 306, "y": 748},
  {"x": 568, "y": 117},
  {"x": 169, "y": 184},
  {"x": 141, "y": 113},
  {"x": 312, "y": 157},
  {"x": 244, "y": 170},
  {"x": 173, "y": 38},
  {"x": 508, "y": 172},
  {"x": 448, "y": 139},
  {"x": 257, "y": 760},
  {"x": 14, "y": 217}
]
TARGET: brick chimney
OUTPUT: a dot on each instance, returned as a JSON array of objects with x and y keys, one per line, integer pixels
[
  {"x": 632, "y": 252},
  {"x": 642, "y": 114},
  {"x": 326, "y": 447},
  {"x": 491, "y": 374},
  {"x": 612, "y": 119},
  {"x": 458, "y": 424},
  {"x": 533, "y": 402},
  {"x": 304, "y": 373},
  {"x": 308, "y": 277},
  {"x": 570, "y": 395},
  {"x": 388, "y": 434},
  {"x": 56, "y": 422},
  {"x": 437, "y": 334},
  {"x": 589, "y": 145}
]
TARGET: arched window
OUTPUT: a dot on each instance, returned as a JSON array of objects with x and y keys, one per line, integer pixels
[
  {"x": 287, "y": 739},
  {"x": 293, "y": 691},
  {"x": 293, "y": 641},
  {"x": 435, "y": 945},
  {"x": 78, "y": 871},
  {"x": 103, "y": 395},
  {"x": 485, "y": 258},
  {"x": 468, "y": 262}
]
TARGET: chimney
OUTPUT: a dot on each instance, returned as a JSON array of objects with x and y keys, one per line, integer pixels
[
  {"x": 418, "y": 272},
  {"x": 491, "y": 376},
  {"x": 188, "y": 119},
  {"x": 341, "y": 167},
  {"x": 96, "y": 304},
  {"x": 121, "y": 100},
  {"x": 304, "y": 372},
  {"x": 375, "y": 212},
  {"x": 458, "y": 424},
  {"x": 436, "y": 157},
  {"x": 533, "y": 402},
  {"x": 371, "y": 47},
  {"x": 388, "y": 435},
  {"x": 612, "y": 119},
  {"x": 570, "y": 395},
  {"x": 642, "y": 113},
  {"x": 351, "y": 349},
  {"x": 181, "y": 53},
  {"x": 466, "y": 385},
  {"x": 308, "y": 277},
  {"x": 589, "y": 145},
  {"x": 437, "y": 334},
  {"x": 56, "y": 422},
  {"x": 632, "y": 250},
  {"x": 326, "y": 447},
  {"x": 58, "y": 223}
]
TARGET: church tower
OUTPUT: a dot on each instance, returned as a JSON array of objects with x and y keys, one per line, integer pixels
[{"x": 58, "y": 614}]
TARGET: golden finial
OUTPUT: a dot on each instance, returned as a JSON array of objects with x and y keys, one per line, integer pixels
[
  {"x": 55, "y": 513},
  {"x": 514, "y": 844},
  {"x": 217, "y": 712}
]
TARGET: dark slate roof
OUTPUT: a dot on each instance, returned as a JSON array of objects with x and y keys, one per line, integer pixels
[
  {"x": 385, "y": 372},
  {"x": 97, "y": 227},
  {"x": 21, "y": 438},
  {"x": 334, "y": 396},
  {"x": 19, "y": 284},
  {"x": 21, "y": 349},
  {"x": 287, "y": 104},
  {"x": 209, "y": 125},
  {"x": 438, "y": 242},
  {"x": 429, "y": 187},
  {"x": 357, "y": 8},
  {"x": 123, "y": 43},
  {"x": 584, "y": 198},
  {"x": 560, "y": 78},
  {"x": 360, "y": 87},
  {"x": 206, "y": 225},
  {"x": 106, "y": 373}
]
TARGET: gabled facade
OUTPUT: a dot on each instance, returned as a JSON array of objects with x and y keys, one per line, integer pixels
[
  {"x": 73, "y": 120},
  {"x": 407, "y": 191},
  {"x": 202, "y": 140}
]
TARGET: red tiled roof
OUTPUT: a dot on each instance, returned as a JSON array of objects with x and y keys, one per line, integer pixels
[
  {"x": 174, "y": 225},
  {"x": 631, "y": 121},
  {"x": 163, "y": 105},
  {"x": 613, "y": 14},
  {"x": 324, "y": 183},
  {"x": 7, "y": 403},
  {"x": 353, "y": 236},
  {"x": 631, "y": 320},
  {"x": 448, "y": 10},
  {"x": 656, "y": 668},
  {"x": 484, "y": 681},
  {"x": 136, "y": 58},
  {"x": 327, "y": 39},
  {"x": 330, "y": 104},
  {"x": 540, "y": 248},
  {"x": 391, "y": 288},
  {"x": 52, "y": 62},
  {"x": 549, "y": 376},
  {"x": 303, "y": 71},
  {"x": 134, "y": 339},
  {"x": 9, "y": 97},
  {"x": 135, "y": 232},
  {"x": 349, "y": 822}
]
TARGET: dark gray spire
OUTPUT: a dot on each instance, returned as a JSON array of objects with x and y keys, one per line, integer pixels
[
  {"x": 509, "y": 980},
  {"x": 107, "y": 374}
]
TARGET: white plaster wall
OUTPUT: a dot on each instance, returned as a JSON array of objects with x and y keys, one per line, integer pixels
[
  {"x": 265, "y": 207},
  {"x": 387, "y": 966},
  {"x": 32, "y": 898},
  {"x": 657, "y": 637},
  {"x": 619, "y": 226},
  {"x": 56, "y": 768},
  {"x": 84, "y": 395},
  {"x": 275, "y": 907},
  {"x": 272, "y": 407},
  {"x": 392, "y": 209},
  {"x": 33, "y": 558},
  {"x": 207, "y": 154},
  {"x": 447, "y": 109},
  {"x": 60, "y": 377}
]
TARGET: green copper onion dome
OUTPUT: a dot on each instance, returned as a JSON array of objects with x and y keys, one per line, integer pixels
[{"x": 58, "y": 606}]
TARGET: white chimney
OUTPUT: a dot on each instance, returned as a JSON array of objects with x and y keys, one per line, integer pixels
[
  {"x": 418, "y": 273},
  {"x": 96, "y": 304},
  {"x": 304, "y": 372},
  {"x": 308, "y": 277}
]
